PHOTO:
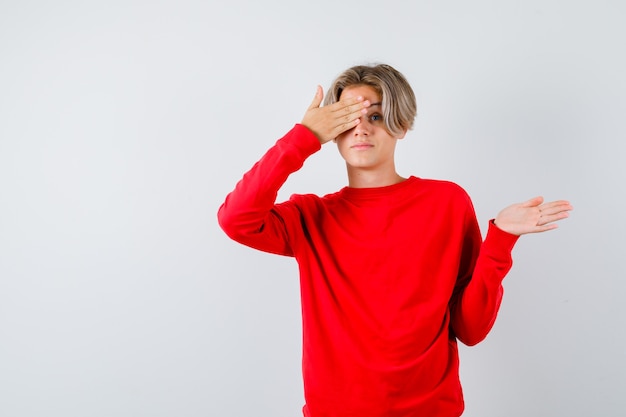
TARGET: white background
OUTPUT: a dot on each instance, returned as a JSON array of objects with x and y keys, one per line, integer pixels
[{"x": 124, "y": 124}]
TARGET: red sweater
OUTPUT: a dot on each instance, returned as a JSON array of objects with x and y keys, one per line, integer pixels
[{"x": 390, "y": 278}]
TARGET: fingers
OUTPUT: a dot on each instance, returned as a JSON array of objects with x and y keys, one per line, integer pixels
[
  {"x": 345, "y": 123},
  {"x": 533, "y": 202},
  {"x": 544, "y": 228},
  {"x": 328, "y": 122},
  {"x": 548, "y": 212},
  {"x": 349, "y": 105},
  {"x": 347, "y": 113},
  {"x": 343, "y": 115},
  {"x": 555, "y": 206},
  {"x": 552, "y": 212},
  {"x": 317, "y": 100}
]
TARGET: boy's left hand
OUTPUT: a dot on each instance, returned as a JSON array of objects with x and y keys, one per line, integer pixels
[{"x": 532, "y": 216}]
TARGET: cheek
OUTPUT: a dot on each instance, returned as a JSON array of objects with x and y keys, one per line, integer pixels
[
  {"x": 341, "y": 139},
  {"x": 342, "y": 145}
]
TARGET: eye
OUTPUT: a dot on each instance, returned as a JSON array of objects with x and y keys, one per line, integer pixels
[{"x": 376, "y": 117}]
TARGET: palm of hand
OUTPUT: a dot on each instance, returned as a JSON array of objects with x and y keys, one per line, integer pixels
[{"x": 532, "y": 216}]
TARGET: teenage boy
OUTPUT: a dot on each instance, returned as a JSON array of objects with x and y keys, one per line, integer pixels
[{"x": 393, "y": 270}]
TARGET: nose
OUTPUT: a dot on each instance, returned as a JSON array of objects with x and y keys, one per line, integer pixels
[{"x": 363, "y": 128}]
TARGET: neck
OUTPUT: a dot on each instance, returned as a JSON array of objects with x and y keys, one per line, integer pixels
[{"x": 359, "y": 178}]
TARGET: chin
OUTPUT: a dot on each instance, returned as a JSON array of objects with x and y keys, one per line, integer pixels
[{"x": 360, "y": 165}]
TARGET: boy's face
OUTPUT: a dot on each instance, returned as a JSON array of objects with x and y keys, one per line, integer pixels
[{"x": 368, "y": 145}]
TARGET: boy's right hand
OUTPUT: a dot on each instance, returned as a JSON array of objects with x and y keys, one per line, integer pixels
[{"x": 328, "y": 122}]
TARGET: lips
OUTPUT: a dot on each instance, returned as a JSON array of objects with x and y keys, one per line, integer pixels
[{"x": 362, "y": 145}]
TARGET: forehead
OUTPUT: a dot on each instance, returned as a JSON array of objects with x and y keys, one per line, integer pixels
[{"x": 365, "y": 91}]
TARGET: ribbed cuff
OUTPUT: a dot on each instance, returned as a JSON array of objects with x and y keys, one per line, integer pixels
[
  {"x": 498, "y": 238},
  {"x": 302, "y": 138}
]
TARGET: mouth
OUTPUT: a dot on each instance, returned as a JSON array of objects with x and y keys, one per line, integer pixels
[{"x": 362, "y": 145}]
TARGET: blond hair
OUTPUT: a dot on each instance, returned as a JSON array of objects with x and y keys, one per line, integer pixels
[{"x": 399, "y": 107}]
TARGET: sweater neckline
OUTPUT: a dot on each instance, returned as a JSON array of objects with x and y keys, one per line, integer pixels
[{"x": 377, "y": 192}]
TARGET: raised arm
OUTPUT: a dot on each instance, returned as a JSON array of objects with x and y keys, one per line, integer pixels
[
  {"x": 483, "y": 266},
  {"x": 249, "y": 214}
]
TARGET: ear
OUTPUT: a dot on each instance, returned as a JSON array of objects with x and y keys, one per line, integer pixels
[{"x": 401, "y": 136}]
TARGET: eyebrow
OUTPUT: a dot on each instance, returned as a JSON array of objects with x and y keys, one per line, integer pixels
[{"x": 376, "y": 104}]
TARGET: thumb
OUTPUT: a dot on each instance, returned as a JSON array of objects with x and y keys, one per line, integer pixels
[
  {"x": 533, "y": 202},
  {"x": 317, "y": 100}
]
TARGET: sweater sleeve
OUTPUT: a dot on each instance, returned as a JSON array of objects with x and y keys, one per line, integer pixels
[
  {"x": 249, "y": 214},
  {"x": 477, "y": 297}
]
